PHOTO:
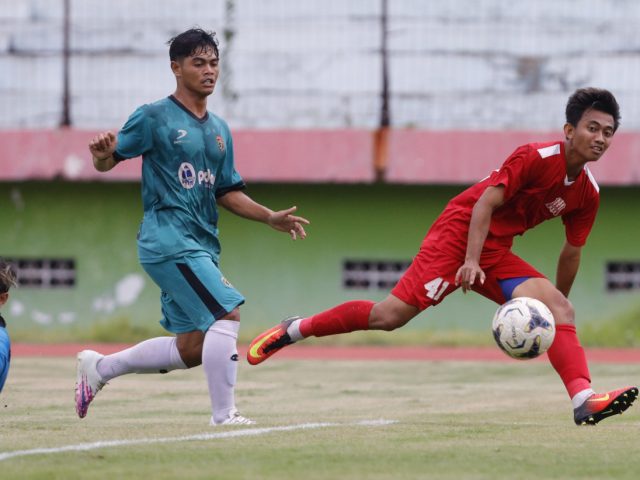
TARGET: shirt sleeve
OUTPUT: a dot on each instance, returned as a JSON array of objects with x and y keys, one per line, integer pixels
[
  {"x": 578, "y": 223},
  {"x": 228, "y": 178},
  {"x": 514, "y": 172},
  {"x": 5, "y": 357},
  {"x": 135, "y": 137}
]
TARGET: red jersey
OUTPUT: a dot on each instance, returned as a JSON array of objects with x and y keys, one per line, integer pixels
[{"x": 536, "y": 188}]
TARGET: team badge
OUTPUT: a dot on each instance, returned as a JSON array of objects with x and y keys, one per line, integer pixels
[
  {"x": 220, "y": 143},
  {"x": 225, "y": 282},
  {"x": 187, "y": 175},
  {"x": 556, "y": 206}
]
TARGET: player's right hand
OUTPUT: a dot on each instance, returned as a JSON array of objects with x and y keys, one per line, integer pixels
[
  {"x": 468, "y": 273},
  {"x": 103, "y": 145}
]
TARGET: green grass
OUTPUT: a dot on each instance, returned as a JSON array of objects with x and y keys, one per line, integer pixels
[
  {"x": 622, "y": 330},
  {"x": 454, "y": 420}
]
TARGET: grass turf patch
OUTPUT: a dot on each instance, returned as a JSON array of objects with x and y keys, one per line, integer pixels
[{"x": 454, "y": 420}]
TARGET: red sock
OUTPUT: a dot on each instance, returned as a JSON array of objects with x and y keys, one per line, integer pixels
[
  {"x": 568, "y": 358},
  {"x": 344, "y": 318}
]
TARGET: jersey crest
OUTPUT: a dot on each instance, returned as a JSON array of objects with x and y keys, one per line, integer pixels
[
  {"x": 220, "y": 143},
  {"x": 556, "y": 206},
  {"x": 187, "y": 175}
]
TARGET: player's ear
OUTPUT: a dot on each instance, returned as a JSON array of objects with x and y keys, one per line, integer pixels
[
  {"x": 176, "y": 68},
  {"x": 4, "y": 297},
  {"x": 569, "y": 131}
]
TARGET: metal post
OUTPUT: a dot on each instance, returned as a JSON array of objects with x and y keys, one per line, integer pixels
[
  {"x": 381, "y": 135},
  {"x": 65, "y": 120}
]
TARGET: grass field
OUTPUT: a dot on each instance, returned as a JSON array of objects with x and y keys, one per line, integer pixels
[{"x": 452, "y": 420}]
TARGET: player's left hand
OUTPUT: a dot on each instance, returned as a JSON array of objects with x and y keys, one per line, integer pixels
[{"x": 284, "y": 221}]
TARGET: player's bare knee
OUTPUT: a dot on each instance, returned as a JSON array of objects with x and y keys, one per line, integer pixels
[
  {"x": 384, "y": 320},
  {"x": 190, "y": 349},
  {"x": 191, "y": 356},
  {"x": 232, "y": 315},
  {"x": 563, "y": 311}
]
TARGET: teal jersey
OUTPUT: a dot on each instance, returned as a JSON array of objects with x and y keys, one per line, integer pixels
[
  {"x": 187, "y": 162},
  {"x": 5, "y": 353}
]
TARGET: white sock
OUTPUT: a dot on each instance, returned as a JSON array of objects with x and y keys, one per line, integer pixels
[
  {"x": 220, "y": 363},
  {"x": 294, "y": 330},
  {"x": 581, "y": 397},
  {"x": 156, "y": 355}
]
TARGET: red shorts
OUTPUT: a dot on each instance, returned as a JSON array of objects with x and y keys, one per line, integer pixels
[{"x": 431, "y": 277}]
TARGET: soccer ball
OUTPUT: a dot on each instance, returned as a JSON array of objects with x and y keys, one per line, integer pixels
[{"x": 523, "y": 328}]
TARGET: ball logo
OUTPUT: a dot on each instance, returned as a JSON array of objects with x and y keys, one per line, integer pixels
[{"x": 187, "y": 175}]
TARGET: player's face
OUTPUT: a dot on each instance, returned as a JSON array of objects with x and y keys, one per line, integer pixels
[
  {"x": 592, "y": 136},
  {"x": 199, "y": 72}
]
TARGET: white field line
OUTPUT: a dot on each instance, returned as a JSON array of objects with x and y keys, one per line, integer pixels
[{"x": 248, "y": 432}]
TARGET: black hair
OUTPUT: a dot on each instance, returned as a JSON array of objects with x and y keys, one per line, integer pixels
[
  {"x": 599, "y": 99},
  {"x": 8, "y": 277},
  {"x": 191, "y": 42}
]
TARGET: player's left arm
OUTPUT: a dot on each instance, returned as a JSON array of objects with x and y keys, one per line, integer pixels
[
  {"x": 568, "y": 264},
  {"x": 244, "y": 206},
  {"x": 578, "y": 224}
]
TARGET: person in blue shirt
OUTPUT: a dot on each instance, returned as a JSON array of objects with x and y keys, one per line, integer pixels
[
  {"x": 7, "y": 280},
  {"x": 187, "y": 172}
]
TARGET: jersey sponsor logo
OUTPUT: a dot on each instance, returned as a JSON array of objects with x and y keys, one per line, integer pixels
[
  {"x": 556, "y": 206},
  {"x": 226, "y": 282},
  {"x": 207, "y": 178},
  {"x": 187, "y": 175},
  {"x": 181, "y": 135},
  {"x": 220, "y": 143}
]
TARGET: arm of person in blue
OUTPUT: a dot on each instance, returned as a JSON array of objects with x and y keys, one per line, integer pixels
[
  {"x": 5, "y": 353},
  {"x": 8, "y": 279}
]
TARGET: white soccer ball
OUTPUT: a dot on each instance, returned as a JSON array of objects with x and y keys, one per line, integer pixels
[{"x": 524, "y": 328}]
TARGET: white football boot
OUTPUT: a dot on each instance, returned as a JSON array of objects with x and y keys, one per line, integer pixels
[
  {"x": 88, "y": 380},
  {"x": 234, "y": 418}
]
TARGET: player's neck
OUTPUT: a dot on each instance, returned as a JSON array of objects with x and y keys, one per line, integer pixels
[
  {"x": 194, "y": 103},
  {"x": 574, "y": 162}
]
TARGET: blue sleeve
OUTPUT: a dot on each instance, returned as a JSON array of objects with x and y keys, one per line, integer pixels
[
  {"x": 228, "y": 179},
  {"x": 135, "y": 137},
  {"x": 5, "y": 356}
]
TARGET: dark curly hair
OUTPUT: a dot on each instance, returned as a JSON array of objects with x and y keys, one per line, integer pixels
[{"x": 8, "y": 277}]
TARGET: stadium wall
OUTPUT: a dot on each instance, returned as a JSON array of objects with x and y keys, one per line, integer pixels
[
  {"x": 96, "y": 223},
  {"x": 316, "y": 156}
]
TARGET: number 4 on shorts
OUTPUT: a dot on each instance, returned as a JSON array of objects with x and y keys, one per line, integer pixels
[{"x": 435, "y": 288}]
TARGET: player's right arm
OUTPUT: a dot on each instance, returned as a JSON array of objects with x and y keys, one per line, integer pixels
[
  {"x": 102, "y": 147},
  {"x": 491, "y": 198}
]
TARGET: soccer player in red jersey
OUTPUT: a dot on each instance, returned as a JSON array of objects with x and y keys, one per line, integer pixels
[{"x": 469, "y": 246}]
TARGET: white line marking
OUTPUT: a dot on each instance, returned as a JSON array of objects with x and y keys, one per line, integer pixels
[{"x": 203, "y": 436}]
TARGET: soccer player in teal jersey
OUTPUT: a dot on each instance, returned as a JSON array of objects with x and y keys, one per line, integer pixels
[
  {"x": 7, "y": 280},
  {"x": 187, "y": 171}
]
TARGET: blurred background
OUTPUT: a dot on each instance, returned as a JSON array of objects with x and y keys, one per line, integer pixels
[{"x": 366, "y": 114}]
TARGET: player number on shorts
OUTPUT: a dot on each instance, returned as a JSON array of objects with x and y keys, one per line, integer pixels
[{"x": 435, "y": 288}]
